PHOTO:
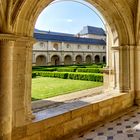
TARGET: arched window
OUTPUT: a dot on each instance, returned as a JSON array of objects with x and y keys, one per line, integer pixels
[
  {"x": 68, "y": 45},
  {"x": 97, "y": 59},
  {"x": 42, "y": 44}
]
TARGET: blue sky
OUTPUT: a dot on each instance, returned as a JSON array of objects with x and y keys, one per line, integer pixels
[{"x": 67, "y": 17}]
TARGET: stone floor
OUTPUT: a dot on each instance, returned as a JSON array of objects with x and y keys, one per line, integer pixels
[{"x": 126, "y": 127}]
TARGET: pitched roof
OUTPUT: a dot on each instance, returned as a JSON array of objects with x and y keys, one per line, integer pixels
[
  {"x": 52, "y": 33},
  {"x": 92, "y": 30},
  {"x": 66, "y": 38}
]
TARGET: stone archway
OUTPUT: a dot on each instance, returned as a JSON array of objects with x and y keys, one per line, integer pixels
[
  {"x": 16, "y": 32},
  {"x": 40, "y": 60},
  {"x": 97, "y": 59},
  {"x": 104, "y": 59},
  {"x": 67, "y": 60},
  {"x": 55, "y": 60},
  {"x": 88, "y": 59},
  {"x": 78, "y": 59}
]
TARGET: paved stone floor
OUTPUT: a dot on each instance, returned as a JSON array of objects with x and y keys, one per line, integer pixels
[{"x": 126, "y": 127}]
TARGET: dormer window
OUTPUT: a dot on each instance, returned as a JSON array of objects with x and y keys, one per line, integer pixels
[
  {"x": 68, "y": 45},
  {"x": 55, "y": 46},
  {"x": 79, "y": 46},
  {"x": 42, "y": 44}
]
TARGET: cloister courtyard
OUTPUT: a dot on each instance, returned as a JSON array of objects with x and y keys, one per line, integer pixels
[{"x": 114, "y": 114}]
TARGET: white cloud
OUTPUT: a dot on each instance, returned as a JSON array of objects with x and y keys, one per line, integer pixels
[{"x": 69, "y": 20}]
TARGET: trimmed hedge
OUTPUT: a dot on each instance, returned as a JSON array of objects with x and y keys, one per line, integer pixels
[
  {"x": 89, "y": 70},
  {"x": 95, "y": 66},
  {"x": 66, "y": 69},
  {"x": 72, "y": 75},
  {"x": 44, "y": 69},
  {"x": 54, "y": 68},
  {"x": 62, "y": 75},
  {"x": 86, "y": 76}
]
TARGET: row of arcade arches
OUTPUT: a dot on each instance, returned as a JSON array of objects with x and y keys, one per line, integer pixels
[{"x": 41, "y": 60}]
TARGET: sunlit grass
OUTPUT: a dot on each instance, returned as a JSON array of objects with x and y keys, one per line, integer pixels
[{"x": 44, "y": 87}]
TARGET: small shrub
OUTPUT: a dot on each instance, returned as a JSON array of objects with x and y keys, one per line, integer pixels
[{"x": 33, "y": 75}]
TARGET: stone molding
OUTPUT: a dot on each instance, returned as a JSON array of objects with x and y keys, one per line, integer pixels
[
  {"x": 123, "y": 47},
  {"x": 11, "y": 37}
]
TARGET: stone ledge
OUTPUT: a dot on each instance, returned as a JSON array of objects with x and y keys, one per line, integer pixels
[{"x": 74, "y": 117}]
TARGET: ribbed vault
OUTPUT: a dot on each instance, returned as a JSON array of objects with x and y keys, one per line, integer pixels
[{"x": 19, "y": 16}]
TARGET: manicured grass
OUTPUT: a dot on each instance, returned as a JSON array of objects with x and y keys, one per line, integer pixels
[{"x": 44, "y": 87}]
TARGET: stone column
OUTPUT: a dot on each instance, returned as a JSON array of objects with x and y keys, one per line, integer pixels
[
  {"x": 22, "y": 76},
  {"x": 61, "y": 58},
  {"x": 137, "y": 75},
  {"x": 84, "y": 58},
  {"x": 6, "y": 79},
  {"x": 28, "y": 81},
  {"x": 33, "y": 59},
  {"x": 115, "y": 69},
  {"x": 74, "y": 57},
  {"x": 119, "y": 71},
  {"x": 15, "y": 83},
  {"x": 49, "y": 58}
]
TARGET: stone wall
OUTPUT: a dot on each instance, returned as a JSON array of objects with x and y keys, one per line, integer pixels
[
  {"x": 47, "y": 50},
  {"x": 63, "y": 125}
]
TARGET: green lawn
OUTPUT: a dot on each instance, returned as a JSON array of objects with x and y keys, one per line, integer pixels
[{"x": 44, "y": 87}]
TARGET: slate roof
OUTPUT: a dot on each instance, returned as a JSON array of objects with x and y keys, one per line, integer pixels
[
  {"x": 63, "y": 37},
  {"x": 52, "y": 33},
  {"x": 92, "y": 30},
  {"x": 69, "y": 39}
]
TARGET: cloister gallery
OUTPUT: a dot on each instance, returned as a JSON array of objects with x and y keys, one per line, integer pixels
[{"x": 122, "y": 74}]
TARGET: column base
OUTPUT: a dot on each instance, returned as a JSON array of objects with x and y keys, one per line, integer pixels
[
  {"x": 6, "y": 137},
  {"x": 137, "y": 102},
  {"x": 137, "y": 98}
]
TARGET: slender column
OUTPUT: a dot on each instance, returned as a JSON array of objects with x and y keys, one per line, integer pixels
[
  {"x": 6, "y": 79},
  {"x": 132, "y": 67},
  {"x": 28, "y": 82},
  {"x": 115, "y": 72},
  {"x": 62, "y": 58},
  {"x": 124, "y": 68},
  {"x": 120, "y": 72},
  {"x": 34, "y": 60},
  {"x": 74, "y": 58},
  {"x": 49, "y": 58},
  {"x": 137, "y": 75},
  {"x": 84, "y": 58}
]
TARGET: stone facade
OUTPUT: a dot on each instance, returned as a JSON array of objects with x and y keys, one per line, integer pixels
[
  {"x": 58, "y": 52},
  {"x": 18, "y": 18}
]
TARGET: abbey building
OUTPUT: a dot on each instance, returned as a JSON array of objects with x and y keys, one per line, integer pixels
[{"x": 53, "y": 48}]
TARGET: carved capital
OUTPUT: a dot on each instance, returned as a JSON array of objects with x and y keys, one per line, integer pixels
[
  {"x": 11, "y": 37},
  {"x": 107, "y": 70},
  {"x": 17, "y": 40},
  {"x": 115, "y": 48},
  {"x": 137, "y": 48},
  {"x": 123, "y": 47}
]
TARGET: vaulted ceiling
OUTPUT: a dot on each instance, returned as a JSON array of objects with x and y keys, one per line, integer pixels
[{"x": 19, "y": 16}]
